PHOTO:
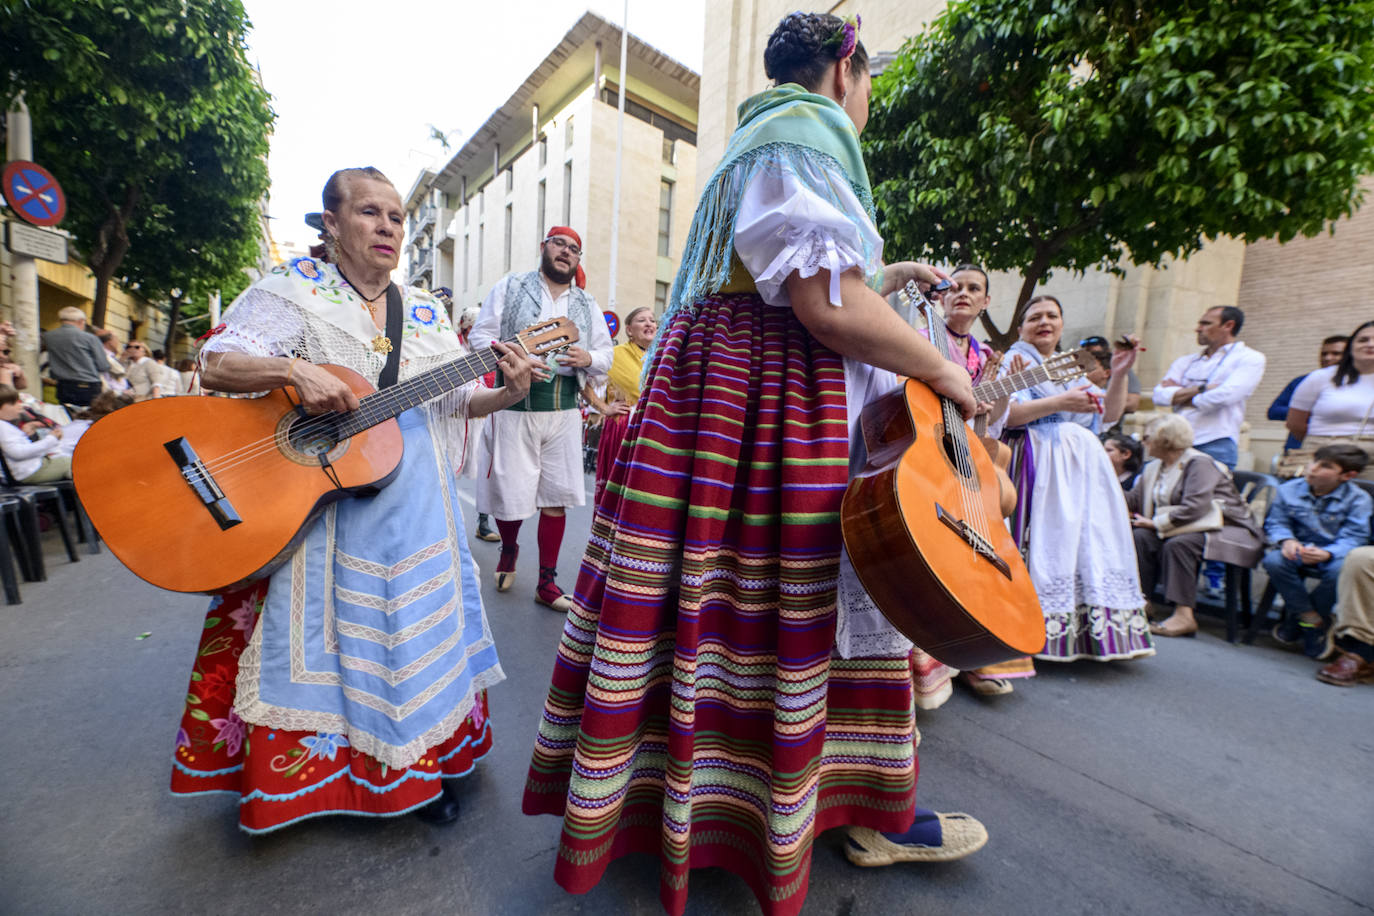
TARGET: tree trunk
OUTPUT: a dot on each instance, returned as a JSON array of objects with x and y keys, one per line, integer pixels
[
  {"x": 173, "y": 316},
  {"x": 108, "y": 253}
]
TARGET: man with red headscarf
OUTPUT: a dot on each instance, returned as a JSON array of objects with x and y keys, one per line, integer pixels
[{"x": 535, "y": 460}]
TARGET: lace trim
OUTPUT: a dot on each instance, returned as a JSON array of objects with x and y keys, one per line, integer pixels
[
  {"x": 861, "y": 630},
  {"x": 1112, "y": 588}
]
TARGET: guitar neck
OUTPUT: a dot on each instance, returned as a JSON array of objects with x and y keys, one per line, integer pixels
[
  {"x": 1010, "y": 384},
  {"x": 390, "y": 402}
]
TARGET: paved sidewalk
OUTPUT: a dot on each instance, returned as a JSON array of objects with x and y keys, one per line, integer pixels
[{"x": 1209, "y": 779}]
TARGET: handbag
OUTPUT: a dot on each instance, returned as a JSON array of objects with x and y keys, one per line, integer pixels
[
  {"x": 1294, "y": 461},
  {"x": 1211, "y": 520}
]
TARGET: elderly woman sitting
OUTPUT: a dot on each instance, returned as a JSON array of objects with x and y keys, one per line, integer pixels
[{"x": 1185, "y": 508}]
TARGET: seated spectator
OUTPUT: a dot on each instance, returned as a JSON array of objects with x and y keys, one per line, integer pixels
[
  {"x": 1333, "y": 405},
  {"x": 1315, "y": 520},
  {"x": 29, "y": 462},
  {"x": 1332, "y": 349},
  {"x": 1177, "y": 489},
  {"x": 105, "y": 403},
  {"x": 1127, "y": 455},
  {"x": 169, "y": 379},
  {"x": 1353, "y": 636}
]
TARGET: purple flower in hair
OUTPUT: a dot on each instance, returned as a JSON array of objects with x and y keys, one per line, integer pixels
[{"x": 849, "y": 36}]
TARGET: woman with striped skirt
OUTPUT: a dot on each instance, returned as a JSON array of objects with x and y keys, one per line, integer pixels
[{"x": 700, "y": 709}]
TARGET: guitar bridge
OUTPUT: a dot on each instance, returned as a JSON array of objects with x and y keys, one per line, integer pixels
[
  {"x": 202, "y": 483},
  {"x": 981, "y": 546}
]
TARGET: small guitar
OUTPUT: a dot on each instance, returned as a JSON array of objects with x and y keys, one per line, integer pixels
[
  {"x": 921, "y": 524},
  {"x": 1061, "y": 367},
  {"x": 199, "y": 494}
]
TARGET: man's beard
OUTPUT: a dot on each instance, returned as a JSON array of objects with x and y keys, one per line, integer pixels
[{"x": 551, "y": 270}]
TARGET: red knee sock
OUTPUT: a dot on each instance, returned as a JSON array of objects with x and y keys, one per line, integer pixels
[
  {"x": 550, "y": 538},
  {"x": 510, "y": 533}
]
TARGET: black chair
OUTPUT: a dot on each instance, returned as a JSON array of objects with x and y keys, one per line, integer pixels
[
  {"x": 10, "y": 507},
  {"x": 48, "y": 495},
  {"x": 1258, "y": 491},
  {"x": 1266, "y": 602}
]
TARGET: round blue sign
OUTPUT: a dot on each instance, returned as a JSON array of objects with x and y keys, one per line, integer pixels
[
  {"x": 33, "y": 193},
  {"x": 612, "y": 322}
]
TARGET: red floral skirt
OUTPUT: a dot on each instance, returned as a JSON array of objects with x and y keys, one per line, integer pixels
[{"x": 283, "y": 776}]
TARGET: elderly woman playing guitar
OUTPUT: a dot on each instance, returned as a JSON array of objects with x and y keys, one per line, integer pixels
[{"x": 354, "y": 678}]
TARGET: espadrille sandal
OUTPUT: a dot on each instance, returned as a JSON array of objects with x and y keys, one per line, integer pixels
[{"x": 960, "y": 834}]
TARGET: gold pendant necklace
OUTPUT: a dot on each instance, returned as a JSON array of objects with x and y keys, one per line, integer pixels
[{"x": 381, "y": 343}]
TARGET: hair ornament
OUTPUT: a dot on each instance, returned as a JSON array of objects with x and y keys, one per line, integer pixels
[{"x": 846, "y": 36}]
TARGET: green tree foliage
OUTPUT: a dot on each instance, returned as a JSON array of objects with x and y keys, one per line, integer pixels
[
  {"x": 150, "y": 115},
  {"x": 1075, "y": 133}
]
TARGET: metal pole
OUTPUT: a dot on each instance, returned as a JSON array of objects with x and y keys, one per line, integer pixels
[
  {"x": 619, "y": 151},
  {"x": 214, "y": 309},
  {"x": 23, "y": 269}
]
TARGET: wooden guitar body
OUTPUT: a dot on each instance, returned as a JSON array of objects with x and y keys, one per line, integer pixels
[
  {"x": 928, "y": 541},
  {"x": 202, "y": 494},
  {"x": 1000, "y": 453}
]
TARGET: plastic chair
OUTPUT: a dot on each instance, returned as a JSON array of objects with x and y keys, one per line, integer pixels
[
  {"x": 10, "y": 507},
  {"x": 50, "y": 494}
]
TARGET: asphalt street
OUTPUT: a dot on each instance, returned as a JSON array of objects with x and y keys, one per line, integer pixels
[{"x": 1209, "y": 779}]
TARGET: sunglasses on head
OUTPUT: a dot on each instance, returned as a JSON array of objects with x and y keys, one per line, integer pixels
[{"x": 1093, "y": 341}]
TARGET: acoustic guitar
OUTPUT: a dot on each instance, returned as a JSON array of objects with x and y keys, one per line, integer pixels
[
  {"x": 205, "y": 494},
  {"x": 922, "y": 526}
]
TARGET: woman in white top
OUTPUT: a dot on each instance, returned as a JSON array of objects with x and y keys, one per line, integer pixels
[
  {"x": 28, "y": 461},
  {"x": 1334, "y": 404}
]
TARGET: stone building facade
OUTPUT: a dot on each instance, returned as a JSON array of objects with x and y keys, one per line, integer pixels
[{"x": 547, "y": 157}]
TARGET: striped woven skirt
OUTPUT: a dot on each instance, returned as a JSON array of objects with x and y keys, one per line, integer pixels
[{"x": 696, "y": 711}]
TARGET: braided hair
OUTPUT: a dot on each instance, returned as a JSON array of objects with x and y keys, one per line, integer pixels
[{"x": 804, "y": 46}]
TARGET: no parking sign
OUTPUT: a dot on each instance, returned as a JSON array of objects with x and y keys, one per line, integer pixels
[
  {"x": 612, "y": 322},
  {"x": 33, "y": 193}
]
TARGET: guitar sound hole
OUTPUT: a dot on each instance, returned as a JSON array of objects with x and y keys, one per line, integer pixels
[
  {"x": 957, "y": 453},
  {"x": 308, "y": 438}
]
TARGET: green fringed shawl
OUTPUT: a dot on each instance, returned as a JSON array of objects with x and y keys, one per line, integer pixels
[{"x": 785, "y": 124}]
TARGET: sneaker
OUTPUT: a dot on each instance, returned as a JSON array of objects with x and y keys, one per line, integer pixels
[
  {"x": 1313, "y": 638},
  {"x": 1286, "y": 633}
]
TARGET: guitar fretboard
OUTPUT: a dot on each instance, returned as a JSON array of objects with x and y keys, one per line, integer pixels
[
  {"x": 390, "y": 402},
  {"x": 1010, "y": 384}
]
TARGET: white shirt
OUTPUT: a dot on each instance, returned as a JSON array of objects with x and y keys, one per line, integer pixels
[
  {"x": 1231, "y": 375},
  {"x": 1334, "y": 411},
  {"x": 25, "y": 457},
  {"x": 487, "y": 327}
]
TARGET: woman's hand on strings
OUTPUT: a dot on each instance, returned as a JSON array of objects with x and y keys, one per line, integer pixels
[
  {"x": 953, "y": 382},
  {"x": 319, "y": 391}
]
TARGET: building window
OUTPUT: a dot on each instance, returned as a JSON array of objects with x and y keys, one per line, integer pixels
[
  {"x": 567, "y": 193},
  {"x": 543, "y": 195},
  {"x": 660, "y": 297},
  {"x": 568, "y": 133},
  {"x": 467, "y": 248},
  {"x": 481, "y": 250},
  {"x": 482, "y": 201},
  {"x": 467, "y": 211},
  {"x": 665, "y": 216},
  {"x": 510, "y": 179},
  {"x": 669, "y": 150},
  {"x": 510, "y": 219},
  {"x": 543, "y": 151}
]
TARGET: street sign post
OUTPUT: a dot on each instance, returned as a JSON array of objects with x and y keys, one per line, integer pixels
[
  {"x": 43, "y": 244},
  {"x": 33, "y": 193}
]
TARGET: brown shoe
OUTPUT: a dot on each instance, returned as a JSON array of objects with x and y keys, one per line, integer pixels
[{"x": 1346, "y": 671}]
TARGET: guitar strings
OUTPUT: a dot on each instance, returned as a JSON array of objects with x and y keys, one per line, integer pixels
[
  {"x": 229, "y": 460},
  {"x": 221, "y": 465}
]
